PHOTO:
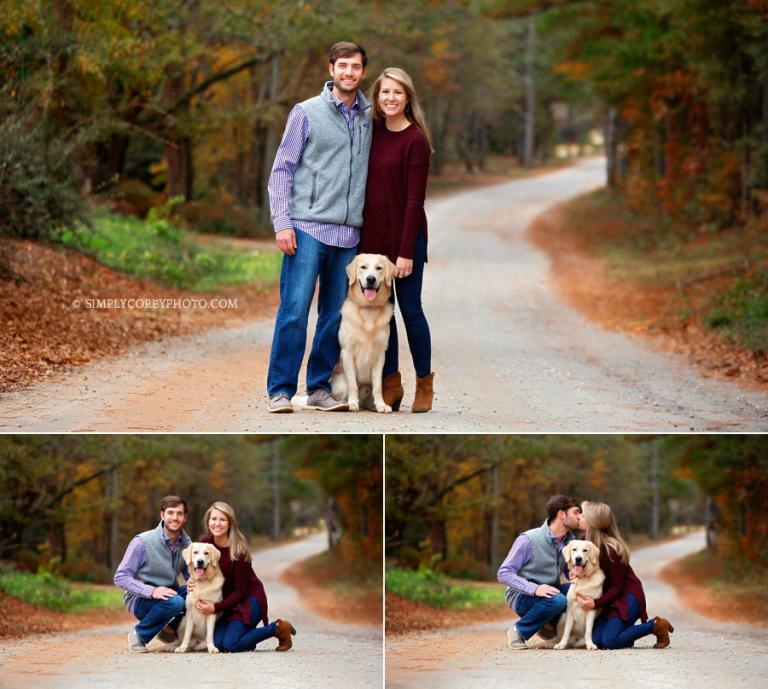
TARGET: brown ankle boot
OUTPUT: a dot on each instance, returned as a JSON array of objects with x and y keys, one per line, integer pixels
[
  {"x": 661, "y": 630},
  {"x": 283, "y": 634},
  {"x": 392, "y": 390},
  {"x": 424, "y": 393}
]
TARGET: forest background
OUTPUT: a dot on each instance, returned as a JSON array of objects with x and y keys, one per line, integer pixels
[
  {"x": 455, "y": 504},
  {"x": 122, "y": 121}
]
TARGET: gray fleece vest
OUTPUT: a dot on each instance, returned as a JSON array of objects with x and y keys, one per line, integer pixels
[
  {"x": 163, "y": 566},
  {"x": 329, "y": 182},
  {"x": 546, "y": 561}
]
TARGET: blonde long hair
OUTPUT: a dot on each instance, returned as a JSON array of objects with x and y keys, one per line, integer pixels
[
  {"x": 602, "y": 529},
  {"x": 413, "y": 110},
  {"x": 238, "y": 545}
]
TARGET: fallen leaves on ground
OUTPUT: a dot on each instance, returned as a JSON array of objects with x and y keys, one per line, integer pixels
[
  {"x": 18, "y": 619},
  {"x": 649, "y": 310},
  {"x": 43, "y": 332},
  {"x": 404, "y": 616}
]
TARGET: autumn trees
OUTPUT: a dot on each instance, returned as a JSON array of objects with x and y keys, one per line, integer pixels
[{"x": 77, "y": 500}]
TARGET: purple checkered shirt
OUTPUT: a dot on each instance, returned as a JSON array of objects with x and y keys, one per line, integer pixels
[
  {"x": 281, "y": 179},
  {"x": 135, "y": 556}
]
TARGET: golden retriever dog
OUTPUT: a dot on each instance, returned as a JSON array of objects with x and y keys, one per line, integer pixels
[
  {"x": 196, "y": 629},
  {"x": 364, "y": 333},
  {"x": 587, "y": 579}
]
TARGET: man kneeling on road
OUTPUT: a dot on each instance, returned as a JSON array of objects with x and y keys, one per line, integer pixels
[
  {"x": 149, "y": 575},
  {"x": 532, "y": 571}
]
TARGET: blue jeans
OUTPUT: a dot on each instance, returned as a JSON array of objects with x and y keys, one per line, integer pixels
[
  {"x": 535, "y": 612},
  {"x": 236, "y": 636},
  {"x": 154, "y": 614},
  {"x": 613, "y": 632},
  {"x": 298, "y": 277},
  {"x": 408, "y": 292}
]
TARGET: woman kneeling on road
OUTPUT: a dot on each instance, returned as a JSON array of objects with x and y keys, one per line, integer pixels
[{"x": 245, "y": 601}]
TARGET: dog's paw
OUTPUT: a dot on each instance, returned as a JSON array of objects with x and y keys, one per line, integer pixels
[
  {"x": 354, "y": 406},
  {"x": 383, "y": 409},
  {"x": 592, "y": 647},
  {"x": 559, "y": 647},
  {"x": 213, "y": 649},
  {"x": 181, "y": 649}
]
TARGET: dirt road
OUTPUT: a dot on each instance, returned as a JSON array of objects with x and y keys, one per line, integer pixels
[
  {"x": 508, "y": 354},
  {"x": 326, "y": 654},
  {"x": 704, "y": 653}
]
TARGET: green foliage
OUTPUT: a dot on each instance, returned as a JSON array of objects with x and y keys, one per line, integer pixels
[
  {"x": 38, "y": 190},
  {"x": 157, "y": 250},
  {"x": 430, "y": 588},
  {"x": 741, "y": 313},
  {"x": 46, "y": 590}
]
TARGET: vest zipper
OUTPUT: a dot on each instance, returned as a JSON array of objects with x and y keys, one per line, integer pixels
[{"x": 314, "y": 188}]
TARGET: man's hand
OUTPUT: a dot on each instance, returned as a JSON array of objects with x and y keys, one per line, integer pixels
[
  {"x": 403, "y": 267},
  {"x": 163, "y": 593},
  {"x": 546, "y": 591},
  {"x": 286, "y": 241},
  {"x": 190, "y": 585},
  {"x": 205, "y": 607},
  {"x": 586, "y": 602}
]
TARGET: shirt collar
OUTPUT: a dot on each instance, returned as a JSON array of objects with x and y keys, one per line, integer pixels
[{"x": 357, "y": 105}]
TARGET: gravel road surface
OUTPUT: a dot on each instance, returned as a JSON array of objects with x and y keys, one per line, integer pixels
[
  {"x": 508, "y": 354},
  {"x": 704, "y": 653},
  {"x": 325, "y": 655}
]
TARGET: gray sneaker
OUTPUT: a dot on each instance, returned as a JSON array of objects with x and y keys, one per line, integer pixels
[
  {"x": 322, "y": 400},
  {"x": 280, "y": 404},
  {"x": 514, "y": 640},
  {"x": 135, "y": 644}
]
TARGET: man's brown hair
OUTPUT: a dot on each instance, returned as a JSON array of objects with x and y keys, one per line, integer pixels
[
  {"x": 346, "y": 49},
  {"x": 557, "y": 503},
  {"x": 172, "y": 501}
]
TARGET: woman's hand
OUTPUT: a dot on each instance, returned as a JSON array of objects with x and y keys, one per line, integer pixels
[
  {"x": 205, "y": 606},
  {"x": 586, "y": 602},
  {"x": 403, "y": 267}
]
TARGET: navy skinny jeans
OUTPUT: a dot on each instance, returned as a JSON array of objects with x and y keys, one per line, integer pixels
[
  {"x": 236, "y": 636},
  {"x": 613, "y": 632},
  {"x": 407, "y": 293}
]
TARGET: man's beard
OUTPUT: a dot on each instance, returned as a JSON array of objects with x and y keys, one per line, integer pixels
[{"x": 343, "y": 89}]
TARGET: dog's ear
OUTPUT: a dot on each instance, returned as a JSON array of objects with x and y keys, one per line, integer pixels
[
  {"x": 186, "y": 553},
  {"x": 352, "y": 272},
  {"x": 594, "y": 553},
  {"x": 567, "y": 551},
  {"x": 389, "y": 272},
  {"x": 215, "y": 556}
]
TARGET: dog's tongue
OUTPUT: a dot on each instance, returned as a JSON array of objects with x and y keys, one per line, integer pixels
[
  {"x": 578, "y": 569},
  {"x": 370, "y": 294},
  {"x": 199, "y": 571}
]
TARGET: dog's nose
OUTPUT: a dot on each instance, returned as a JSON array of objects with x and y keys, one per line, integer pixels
[{"x": 370, "y": 280}]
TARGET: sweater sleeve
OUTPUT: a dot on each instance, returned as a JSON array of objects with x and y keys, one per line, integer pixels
[
  {"x": 616, "y": 575},
  {"x": 416, "y": 189},
  {"x": 240, "y": 576}
]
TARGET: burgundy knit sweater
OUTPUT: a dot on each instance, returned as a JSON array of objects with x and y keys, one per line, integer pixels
[
  {"x": 240, "y": 582},
  {"x": 620, "y": 580},
  {"x": 394, "y": 195}
]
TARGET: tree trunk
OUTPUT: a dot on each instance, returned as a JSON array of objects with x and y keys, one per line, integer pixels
[
  {"x": 612, "y": 148},
  {"x": 114, "y": 520},
  {"x": 275, "y": 492},
  {"x": 178, "y": 155},
  {"x": 655, "y": 489},
  {"x": 530, "y": 93}
]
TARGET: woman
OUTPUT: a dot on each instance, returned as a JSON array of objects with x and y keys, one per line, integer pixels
[
  {"x": 623, "y": 600},
  {"x": 395, "y": 224},
  {"x": 245, "y": 602}
]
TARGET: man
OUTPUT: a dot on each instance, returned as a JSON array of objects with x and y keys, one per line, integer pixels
[
  {"x": 316, "y": 195},
  {"x": 532, "y": 571},
  {"x": 149, "y": 575}
]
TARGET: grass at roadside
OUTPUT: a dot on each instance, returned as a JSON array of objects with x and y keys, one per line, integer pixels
[
  {"x": 703, "y": 294},
  {"x": 156, "y": 250},
  {"x": 46, "y": 590},
  {"x": 431, "y": 588}
]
